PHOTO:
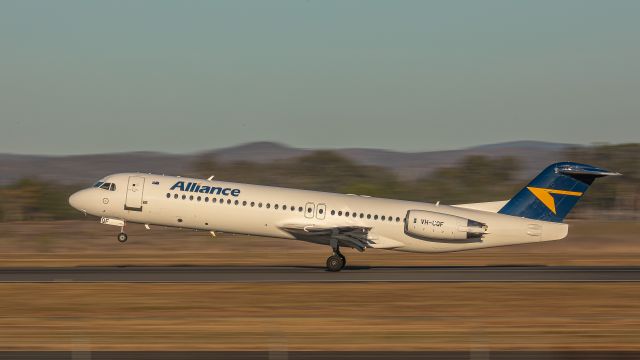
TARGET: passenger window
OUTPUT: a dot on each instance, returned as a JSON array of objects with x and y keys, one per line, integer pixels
[
  {"x": 213, "y": 200},
  {"x": 168, "y": 195},
  {"x": 333, "y": 212},
  {"x": 206, "y": 199},
  {"x": 191, "y": 197},
  {"x": 259, "y": 205},
  {"x": 368, "y": 216},
  {"x": 375, "y": 217},
  {"x": 253, "y": 204},
  {"x": 175, "y": 196},
  {"x": 339, "y": 213},
  {"x": 300, "y": 209},
  {"x": 354, "y": 215},
  {"x": 275, "y": 206},
  {"x": 236, "y": 202},
  {"x": 383, "y": 218},
  {"x": 268, "y": 205},
  {"x": 321, "y": 211},
  {"x": 229, "y": 201},
  {"x": 199, "y": 198},
  {"x": 293, "y": 208},
  {"x": 346, "y": 214},
  {"x": 361, "y": 215},
  {"x": 244, "y": 203},
  {"x": 184, "y": 197}
]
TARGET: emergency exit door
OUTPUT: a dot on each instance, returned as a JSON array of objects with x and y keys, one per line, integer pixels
[
  {"x": 135, "y": 190},
  {"x": 309, "y": 210},
  {"x": 312, "y": 210},
  {"x": 321, "y": 210}
]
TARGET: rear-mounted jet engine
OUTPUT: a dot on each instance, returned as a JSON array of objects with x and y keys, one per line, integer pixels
[{"x": 438, "y": 226}]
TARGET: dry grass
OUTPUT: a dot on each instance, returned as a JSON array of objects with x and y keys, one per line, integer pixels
[{"x": 319, "y": 317}]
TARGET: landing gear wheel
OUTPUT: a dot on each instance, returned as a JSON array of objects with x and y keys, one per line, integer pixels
[
  {"x": 335, "y": 263},
  {"x": 122, "y": 237},
  {"x": 344, "y": 260}
]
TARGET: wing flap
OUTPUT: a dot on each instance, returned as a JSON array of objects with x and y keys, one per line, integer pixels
[{"x": 358, "y": 237}]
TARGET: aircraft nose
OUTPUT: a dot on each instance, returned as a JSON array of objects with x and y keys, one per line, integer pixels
[{"x": 78, "y": 200}]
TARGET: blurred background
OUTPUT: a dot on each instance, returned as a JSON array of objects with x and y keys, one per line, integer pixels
[{"x": 36, "y": 187}]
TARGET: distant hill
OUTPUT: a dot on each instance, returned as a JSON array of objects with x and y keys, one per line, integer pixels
[{"x": 84, "y": 169}]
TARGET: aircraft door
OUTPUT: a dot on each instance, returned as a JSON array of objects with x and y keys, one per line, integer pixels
[
  {"x": 309, "y": 210},
  {"x": 135, "y": 190},
  {"x": 321, "y": 209}
]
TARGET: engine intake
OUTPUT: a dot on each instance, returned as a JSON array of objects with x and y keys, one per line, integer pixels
[{"x": 439, "y": 226}]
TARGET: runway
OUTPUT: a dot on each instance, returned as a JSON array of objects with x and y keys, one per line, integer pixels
[
  {"x": 268, "y": 274},
  {"x": 321, "y": 355}
]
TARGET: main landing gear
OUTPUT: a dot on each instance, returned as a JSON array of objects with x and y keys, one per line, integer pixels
[{"x": 337, "y": 261}]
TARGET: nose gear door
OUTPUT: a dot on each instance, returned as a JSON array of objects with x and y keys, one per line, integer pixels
[{"x": 135, "y": 190}]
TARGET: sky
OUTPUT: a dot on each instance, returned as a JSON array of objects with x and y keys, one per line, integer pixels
[{"x": 85, "y": 76}]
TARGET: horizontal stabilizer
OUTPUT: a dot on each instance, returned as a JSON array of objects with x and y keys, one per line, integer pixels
[{"x": 493, "y": 206}]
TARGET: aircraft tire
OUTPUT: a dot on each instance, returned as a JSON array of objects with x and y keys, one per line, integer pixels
[
  {"x": 344, "y": 260},
  {"x": 334, "y": 263},
  {"x": 122, "y": 237}
]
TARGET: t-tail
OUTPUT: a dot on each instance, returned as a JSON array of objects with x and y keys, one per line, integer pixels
[{"x": 554, "y": 192}]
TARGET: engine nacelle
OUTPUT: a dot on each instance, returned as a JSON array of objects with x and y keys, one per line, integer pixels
[{"x": 439, "y": 226}]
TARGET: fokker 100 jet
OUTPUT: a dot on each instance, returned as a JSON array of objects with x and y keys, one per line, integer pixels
[{"x": 534, "y": 214}]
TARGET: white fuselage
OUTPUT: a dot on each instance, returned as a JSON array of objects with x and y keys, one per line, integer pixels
[{"x": 264, "y": 211}]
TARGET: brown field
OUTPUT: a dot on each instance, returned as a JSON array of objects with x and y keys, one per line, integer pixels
[
  {"x": 384, "y": 316},
  {"x": 298, "y": 316},
  {"x": 69, "y": 243}
]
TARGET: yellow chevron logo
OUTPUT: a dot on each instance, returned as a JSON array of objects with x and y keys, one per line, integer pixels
[{"x": 544, "y": 195}]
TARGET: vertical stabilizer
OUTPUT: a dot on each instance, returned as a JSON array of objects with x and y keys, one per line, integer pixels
[{"x": 552, "y": 194}]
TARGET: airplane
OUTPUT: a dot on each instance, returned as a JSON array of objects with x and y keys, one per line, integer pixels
[{"x": 534, "y": 214}]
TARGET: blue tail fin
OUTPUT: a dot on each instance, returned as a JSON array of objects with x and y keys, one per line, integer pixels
[{"x": 554, "y": 192}]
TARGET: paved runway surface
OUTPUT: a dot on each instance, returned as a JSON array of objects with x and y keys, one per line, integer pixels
[
  {"x": 322, "y": 355},
  {"x": 318, "y": 274}
]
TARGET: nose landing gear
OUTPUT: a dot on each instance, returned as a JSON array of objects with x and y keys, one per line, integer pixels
[{"x": 122, "y": 237}]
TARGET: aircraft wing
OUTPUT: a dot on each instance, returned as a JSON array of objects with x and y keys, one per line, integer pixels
[{"x": 358, "y": 237}]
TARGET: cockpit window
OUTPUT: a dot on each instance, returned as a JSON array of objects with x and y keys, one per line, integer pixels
[
  {"x": 98, "y": 184},
  {"x": 106, "y": 186}
]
